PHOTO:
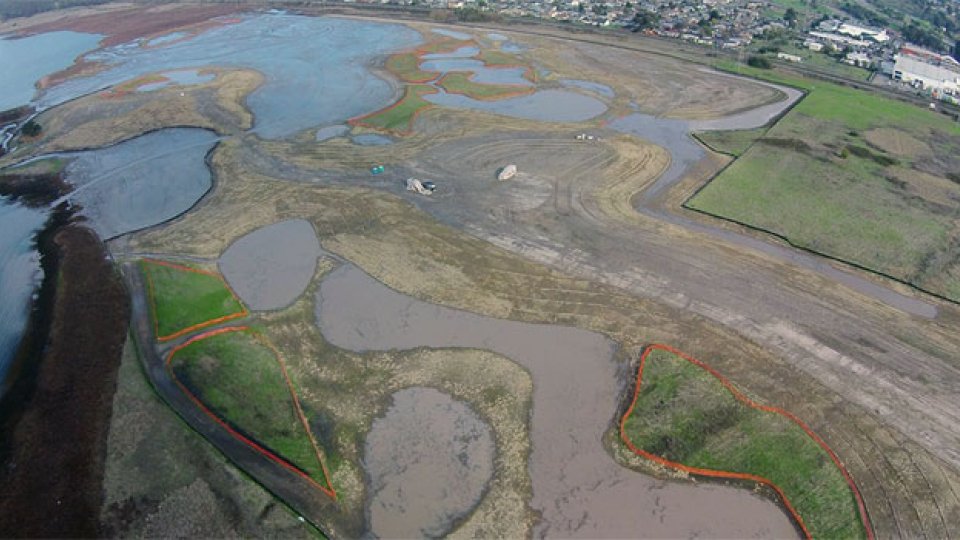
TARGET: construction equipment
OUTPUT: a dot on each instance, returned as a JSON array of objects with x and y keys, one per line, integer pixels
[
  {"x": 507, "y": 172},
  {"x": 422, "y": 187}
]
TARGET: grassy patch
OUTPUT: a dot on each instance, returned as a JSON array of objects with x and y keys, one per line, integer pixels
[
  {"x": 829, "y": 189},
  {"x": 240, "y": 380},
  {"x": 734, "y": 142},
  {"x": 185, "y": 298},
  {"x": 406, "y": 67},
  {"x": 686, "y": 415},
  {"x": 460, "y": 83},
  {"x": 399, "y": 117},
  {"x": 493, "y": 57}
]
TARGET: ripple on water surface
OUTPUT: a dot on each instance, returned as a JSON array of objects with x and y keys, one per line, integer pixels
[{"x": 428, "y": 460}]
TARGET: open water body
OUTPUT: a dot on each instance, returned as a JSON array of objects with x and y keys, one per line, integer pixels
[
  {"x": 24, "y": 61},
  {"x": 182, "y": 77},
  {"x": 545, "y": 105},
  {"x": 19, "y": 275},
  {"x": 577, "y": 487},
  {"x": 480, "y": 73},
  {"x": 316, "y": 68},
  {"x": 142, "y": 181}
]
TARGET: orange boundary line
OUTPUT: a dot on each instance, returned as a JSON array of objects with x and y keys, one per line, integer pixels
[
  {"x": 521, "y": 90},
  {"x": 735, "y": 475},
  {"x": 194, "y": 327},
  {"x": 360, "y": 120},
  {"x": 328, "y": 490}
]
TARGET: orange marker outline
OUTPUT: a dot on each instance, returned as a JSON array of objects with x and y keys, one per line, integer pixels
[
  {"x": 194, "y": 327},
  {"x": 328, "y": 489},
  {"x": 735, "y": 475}
]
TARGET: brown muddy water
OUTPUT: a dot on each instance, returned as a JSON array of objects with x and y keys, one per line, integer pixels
[
  {"x": 578, "y": 489},
  {"x": 270, "y": 267},
  {"x": 428, "y": 461}
]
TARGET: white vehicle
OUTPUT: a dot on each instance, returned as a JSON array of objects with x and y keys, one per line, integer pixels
[
  {"x": 585, "y": 137},
  {"x": 421, "y": 187},
  {"x": 507, "y": 172}
]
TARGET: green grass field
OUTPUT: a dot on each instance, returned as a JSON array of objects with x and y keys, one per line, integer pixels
[
  {"x": 398, "y": 118},
  {"x": 819, "y": 178},
  {"x": 460, "y": 83},
  {"x": 684, "y": 414},
  {"x": 239, "y": 379},
  {"x": 406, "y": 67},
  {"x": 183, "y": 299}
]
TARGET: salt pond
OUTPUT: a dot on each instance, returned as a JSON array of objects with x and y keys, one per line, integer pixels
[
  {"x": 428, "y": 460},
  {"x": 26, "y": 60},
  {"x": 329, "y": 132},
  {"x": 577, "y": 487},
  {"x": 546, "y": 105},
  {"x": 481, "y": 73},
  {"x": 371, "y": 139},
  {"x": 316, "y": 68}
]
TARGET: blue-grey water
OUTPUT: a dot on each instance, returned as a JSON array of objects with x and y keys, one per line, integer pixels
[
  {"x": 182, "y": 77},
  {"x": 19, "y": 275},
  {"x": 589, "y": 86},
  {"x": 316, "y": 68},
  {"x": 546, "y": 105},
  {"x": 143, "y": 181},
  {"x": 462, "y": 52},
  {"x": 24, "y": 61},
  {"x": 371, "y": 139},
  {"x": 166, "y": 38},
  {"x": 451, "y": 33},
  {"x": 329, "y": 132},
  {"x": 481, "y": 73}
]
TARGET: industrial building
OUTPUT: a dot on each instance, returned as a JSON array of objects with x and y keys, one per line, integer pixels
[{"x": 911, "y": 69}]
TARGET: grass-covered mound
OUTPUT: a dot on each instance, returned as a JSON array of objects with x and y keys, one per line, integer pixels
[
  {"x": 684, "y": 414},
  {"x": 460, "y": 83},
  {"x": 184, "y": 299},
  {"x": 398, "y": 118},
  {"x": 240, "y": 378},
  {"x": 829, "y": 177}
]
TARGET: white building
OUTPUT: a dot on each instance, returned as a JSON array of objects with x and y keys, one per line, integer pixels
[
  {"x": 858, "y": 59},
  {"x": 861, "y": 32},
  {"x": 789, "y": 57},
  {"x": 910, "y": 69}
]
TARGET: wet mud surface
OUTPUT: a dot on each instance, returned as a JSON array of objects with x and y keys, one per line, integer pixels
[
  {"x": 577, "y": 487},
  {"x": 428, "y": 461},
  {"x": 270, "y": 267}
]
